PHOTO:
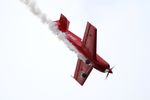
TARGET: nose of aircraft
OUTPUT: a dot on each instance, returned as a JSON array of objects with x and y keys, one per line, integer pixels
[{"x": 110, "y": 71}]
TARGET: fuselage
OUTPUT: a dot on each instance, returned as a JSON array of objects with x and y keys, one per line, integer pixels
[{"x": 98, "y": 63}]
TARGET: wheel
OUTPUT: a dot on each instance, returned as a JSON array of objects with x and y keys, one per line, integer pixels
[
  {"x": 87, "y": 62},
  {"x": 84, "y": 75}
]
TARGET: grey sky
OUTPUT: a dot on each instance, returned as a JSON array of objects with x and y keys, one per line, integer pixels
[{"x": 34, "y": 64}]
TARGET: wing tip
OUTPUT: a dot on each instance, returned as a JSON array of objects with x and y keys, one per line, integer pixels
[
  {"x": 78, "y": 81},
  {"x": 88, "y": 23}
]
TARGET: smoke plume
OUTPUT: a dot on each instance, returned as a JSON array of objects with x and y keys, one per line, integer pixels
[{"x": 31, "y": 4}]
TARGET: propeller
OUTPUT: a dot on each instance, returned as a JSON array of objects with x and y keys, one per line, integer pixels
[
  {"x": 109, "y": 71},
  {"x": 107, "y": 75}
]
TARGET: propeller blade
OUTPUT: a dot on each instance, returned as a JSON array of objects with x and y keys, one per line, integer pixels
[
  {"x": 107, "y": 75},
  {"x": 113, "y": 67},
  {"x": 110, "y": 71}
]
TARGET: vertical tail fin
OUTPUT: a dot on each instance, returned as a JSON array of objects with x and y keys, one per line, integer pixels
[{"x": 63, "y": 23}]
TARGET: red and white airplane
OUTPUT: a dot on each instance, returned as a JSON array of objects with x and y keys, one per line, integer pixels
[{"x": 87, "y": 47}]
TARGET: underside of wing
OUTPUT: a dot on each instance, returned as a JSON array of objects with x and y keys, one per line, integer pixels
[
  {"x": 89, "y": 40},
  {"x": 82, "y": 72}
]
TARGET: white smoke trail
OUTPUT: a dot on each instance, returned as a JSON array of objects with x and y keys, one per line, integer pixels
[
  {"x": 52, "y": 26},
  {"x": 35, "y": 10}
]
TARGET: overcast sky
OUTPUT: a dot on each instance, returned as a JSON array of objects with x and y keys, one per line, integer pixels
[{"x": 35, "y": 65}]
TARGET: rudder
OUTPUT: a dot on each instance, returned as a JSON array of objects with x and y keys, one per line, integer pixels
[{"x": 63, "y": 23}]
